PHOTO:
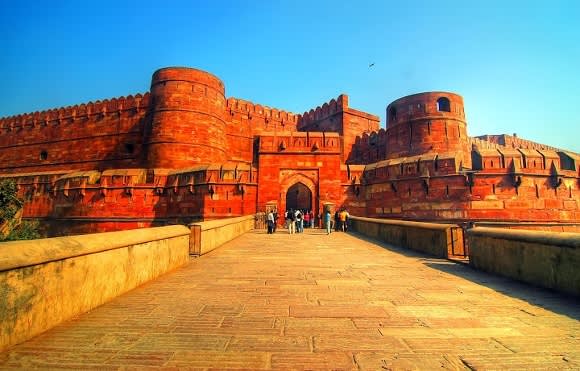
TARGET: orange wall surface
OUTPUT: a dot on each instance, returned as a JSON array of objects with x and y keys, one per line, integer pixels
[{"x": 185, "y": 152}]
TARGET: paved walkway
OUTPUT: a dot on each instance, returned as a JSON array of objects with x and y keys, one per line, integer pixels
[{"x": 314, "y": 301}]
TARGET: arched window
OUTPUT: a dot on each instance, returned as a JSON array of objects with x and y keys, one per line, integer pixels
[{"x": 443, "y": 105}]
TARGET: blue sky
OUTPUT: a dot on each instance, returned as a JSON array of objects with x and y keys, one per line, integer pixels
[{"x": 516, "y": 63}]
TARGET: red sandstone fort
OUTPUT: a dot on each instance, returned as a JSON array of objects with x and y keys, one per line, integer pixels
[{"x": 184, "y": 152}]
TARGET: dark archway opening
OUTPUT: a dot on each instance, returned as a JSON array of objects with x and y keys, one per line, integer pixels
[
  {"x": 443, "y": 104},
  {"x": 299, "y": 196}
]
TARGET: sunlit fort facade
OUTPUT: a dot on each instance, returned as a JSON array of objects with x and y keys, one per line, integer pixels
[{"x": 184, "y": 152}]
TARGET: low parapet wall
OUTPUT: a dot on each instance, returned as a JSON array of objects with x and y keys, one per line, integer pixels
[
  {"x": 45, "y": 282},
  {"x": 546, "y": 259},
  {"x": 206, "y": 236},
  {"x": 441, "y": 240}
]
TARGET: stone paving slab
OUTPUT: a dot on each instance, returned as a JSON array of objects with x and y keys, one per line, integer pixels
[{"x": 316, "y": 302}]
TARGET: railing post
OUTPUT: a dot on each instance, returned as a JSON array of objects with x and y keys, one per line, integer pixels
[{"x": 195, "y": 239}]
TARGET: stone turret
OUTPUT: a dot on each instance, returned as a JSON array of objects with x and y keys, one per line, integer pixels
[
  {"x": 188, "y": 125},
  {"x": 427, "y": 122}
]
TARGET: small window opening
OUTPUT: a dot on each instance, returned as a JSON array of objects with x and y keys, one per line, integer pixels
[
  {"x": 129, "y": 147},
  {"x": 43, "y": 155},
  {"x": 392, "y": 114},
  {"x": 443, "y": 105}
]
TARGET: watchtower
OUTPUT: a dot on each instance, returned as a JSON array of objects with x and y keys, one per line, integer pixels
[
  {"x": 188, "y": 125},
  {"x": 426, "y": 122}
]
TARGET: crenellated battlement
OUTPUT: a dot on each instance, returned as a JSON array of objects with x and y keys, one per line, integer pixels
[
  {"x": 306, "y": 142},
  {"x": 372, "y": 138},
  {"x": 325, "y": 111},
  {"x": 487, "y": 155},
  {"x": 479, "y": 142},
  {"x": 57, "y": 183},
  {"x": 514, "y": 142},
  {"x": 252, "y": 109},
  {"x": 414, "y": 167},
  {"x": 369, "y": 147},
  {"x": 99, "y": 108}
]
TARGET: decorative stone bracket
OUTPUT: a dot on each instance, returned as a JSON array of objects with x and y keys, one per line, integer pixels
[
  {"x": 356, "y": 185},
  {"x": 190, "y": 185},
  {"x": 425, "y": 177},
  {"x": 129, "y": 187},
  {"x": 241, "y": 188},
  {"x": 555, "y": 179},
  {"x": 103, "y": 187},
  {"x": 515, "y": 176},
  {"x": 469, "y": 179}
]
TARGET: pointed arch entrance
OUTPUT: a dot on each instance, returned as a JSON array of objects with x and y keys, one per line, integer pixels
[
  {"x": 299, "y": 196},
  {"x": 303, "y": 181}
]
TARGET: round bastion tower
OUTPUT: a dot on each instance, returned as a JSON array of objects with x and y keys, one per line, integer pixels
[
  {"x": 432, "y": 122},
  {"x": 187, "y": 126}
]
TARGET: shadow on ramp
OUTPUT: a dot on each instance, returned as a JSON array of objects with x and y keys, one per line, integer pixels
[{"x": 548, "y": 299}]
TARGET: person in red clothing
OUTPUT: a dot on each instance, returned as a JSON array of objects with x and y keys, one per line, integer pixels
[{"x": 307, "y": 219}]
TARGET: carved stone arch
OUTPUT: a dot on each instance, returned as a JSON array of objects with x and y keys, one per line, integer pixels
[
  {"x": 292, "y": 179},
  {"x": 299, "y": 178}
]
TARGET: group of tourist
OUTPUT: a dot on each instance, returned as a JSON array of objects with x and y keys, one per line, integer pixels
[
  {"x": 297, "y": 220},
  {"x": 340, "y": 221}
]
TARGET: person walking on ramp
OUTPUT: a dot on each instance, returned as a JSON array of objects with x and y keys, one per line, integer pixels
[
  {"x": 270, "y": 221},
  {"x": 327, "y": 221},
  {"x": 291, "y": 222}
]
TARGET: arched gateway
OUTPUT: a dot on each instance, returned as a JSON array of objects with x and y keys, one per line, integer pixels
[
  {"x": 299, "y": 196},
  {"x": 298, "y": 190}
]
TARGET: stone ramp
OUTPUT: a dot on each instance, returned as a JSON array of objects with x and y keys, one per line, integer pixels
[{"x": 312, "y": 301}]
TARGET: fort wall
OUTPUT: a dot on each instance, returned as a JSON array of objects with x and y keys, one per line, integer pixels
[
  {"x": 120, "y": 199},
  {"x": 327, "y": 117},
  {"x": 185, "y": 153},
  {"x": 98, "y": 135},
  {"x": 247, "y": 120},
  {"x": 515, "y": 142},
  {"x": 336, "y": 116},
  {"x": 437, "y": 188}
]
